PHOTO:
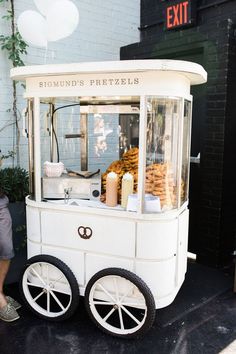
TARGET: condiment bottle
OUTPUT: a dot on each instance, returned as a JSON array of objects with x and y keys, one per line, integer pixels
[
  {"x": 111, "y": 189},
  {"x": 127, "y": 188}
]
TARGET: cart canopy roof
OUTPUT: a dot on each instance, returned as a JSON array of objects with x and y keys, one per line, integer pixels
[{"x": 194, "y": 72}]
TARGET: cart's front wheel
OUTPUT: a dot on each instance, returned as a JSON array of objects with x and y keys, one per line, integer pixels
[
  {"x": 49, "y": 288},
  {"x": 120, "y": 303}
]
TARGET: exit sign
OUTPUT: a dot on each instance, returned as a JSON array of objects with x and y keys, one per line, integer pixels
[{"x": 179, "y": 14}]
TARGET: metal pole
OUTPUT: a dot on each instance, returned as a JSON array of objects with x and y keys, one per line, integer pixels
[
  {"x": 31, "y": 147},
  {"x": 37, "y": 153},
  {"x": 51, "y": 112},
  {"x": 84, "y": 141}
]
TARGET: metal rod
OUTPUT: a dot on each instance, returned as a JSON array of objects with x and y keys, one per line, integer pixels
[
  {"x": 31, "y": 147},
  {"x": 142, "y": 154},
  {"x": 51, "y": 113},
  {"x": 73, "y": 136},
  {"x": 37, "y": 152},
  {"x": 84, "y": 141}
]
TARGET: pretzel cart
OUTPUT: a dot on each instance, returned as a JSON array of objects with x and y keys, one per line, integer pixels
[{"x": 107, "y": 214}]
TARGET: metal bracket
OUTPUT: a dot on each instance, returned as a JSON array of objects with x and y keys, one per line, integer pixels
[{"x": 195, "y": 159}]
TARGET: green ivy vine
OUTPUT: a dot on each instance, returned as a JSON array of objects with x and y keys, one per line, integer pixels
[{"x": 15, "y": 47}]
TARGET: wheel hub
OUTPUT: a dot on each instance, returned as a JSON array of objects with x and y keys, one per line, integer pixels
[{"x": 47, "y": 289}]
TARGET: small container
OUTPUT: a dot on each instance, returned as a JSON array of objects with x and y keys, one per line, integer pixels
[{"x": 53, "y": 169}]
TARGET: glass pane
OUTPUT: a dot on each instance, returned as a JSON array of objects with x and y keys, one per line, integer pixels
[
  {"x": 162, "y": 151},
  {"x": 45, "y": 133},
  {"x": 129, "y": 132},
  {"x": 185, "y": 152},
  {"x": 90, "y": 137},
  {"x": 57, "y": 121}
]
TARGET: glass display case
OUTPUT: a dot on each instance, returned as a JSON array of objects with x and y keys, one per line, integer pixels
[
  {"x": 93, "y": 136},
  {"x": 109, "y": 156}
]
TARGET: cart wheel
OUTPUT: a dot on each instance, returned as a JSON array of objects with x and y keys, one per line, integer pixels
[
  {"x": 49, "y": 288},
  {"x": 120, "y": 303}
]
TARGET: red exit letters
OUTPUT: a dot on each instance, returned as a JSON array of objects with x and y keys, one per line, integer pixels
[{"x": 178, "y": 14}]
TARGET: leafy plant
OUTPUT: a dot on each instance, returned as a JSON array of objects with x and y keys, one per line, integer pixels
[
  {"x": 15, "y": 46},
  {"x": 9, "y": 154},
  {"x": 13, "y": 43},
  {"x": 14, "y": 182}
]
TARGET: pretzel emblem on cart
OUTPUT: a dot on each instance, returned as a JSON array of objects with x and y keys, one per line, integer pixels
[{"x": 85, "y": 232}]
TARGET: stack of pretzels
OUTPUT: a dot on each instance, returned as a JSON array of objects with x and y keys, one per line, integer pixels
[
  {"x": 159, "y": 178},
  {"x": 128, "y": 163},
  {"x": 130, "y": 159},
  {"x": 160, "y": 182}
]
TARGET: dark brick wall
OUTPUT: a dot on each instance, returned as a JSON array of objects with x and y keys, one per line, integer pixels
[
  {"x": 213, "y": 38},
  {"x": 229, "y": 173}
]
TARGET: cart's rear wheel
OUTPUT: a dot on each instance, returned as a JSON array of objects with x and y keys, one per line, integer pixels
[
  {"x": 49, "y": 288},
  {"x": 120, "y": 303}
]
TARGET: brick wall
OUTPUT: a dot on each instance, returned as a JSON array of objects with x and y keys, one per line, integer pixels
[
  {"x": 212, "y": 42},
  {"x": 105, "y": 26}
]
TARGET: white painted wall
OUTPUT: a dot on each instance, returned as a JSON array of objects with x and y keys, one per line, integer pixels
[{"x": 105, "y": 26}]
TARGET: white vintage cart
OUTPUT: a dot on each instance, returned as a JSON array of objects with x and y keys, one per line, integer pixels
[{"x": 126, "y": 263}]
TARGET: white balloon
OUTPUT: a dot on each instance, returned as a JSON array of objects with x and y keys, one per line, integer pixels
[
  {"x": 43, "y": 5},
  {"x": 62, "y": 19},
  {"x": 32, "y": 27}
]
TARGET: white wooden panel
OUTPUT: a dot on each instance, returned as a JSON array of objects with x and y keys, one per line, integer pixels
[
  {"x": 96, "y": 263},
  {"x": 33, "y": 224},
  {"x": 110, "y": 236},
  {"x": 157, "y": 240},
  {"x": 159, "y": 276},
  {"x": 33, "y": 249},
  {"x": 182, "y": 246},
  {"x": 73, "y": 259}
]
